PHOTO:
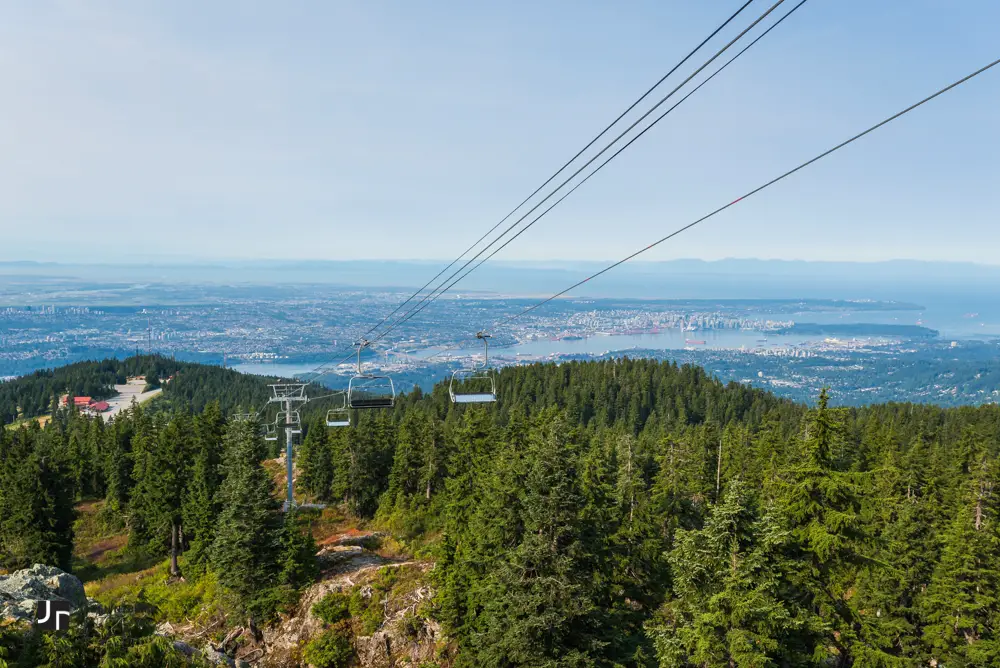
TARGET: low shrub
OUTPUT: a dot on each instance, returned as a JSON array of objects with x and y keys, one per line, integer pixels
[
  {"x": 333, "y": 608},
  {"x": 333, "y": 648}
]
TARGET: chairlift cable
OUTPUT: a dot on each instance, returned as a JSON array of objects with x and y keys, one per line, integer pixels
[
  {"x": 749, "y": 194},
  {"x": 437, "y": 292},
  {"x": 621, "y": 149},
  {"x": 603, "y": 132},
  {"x": 565, "y": 165}
]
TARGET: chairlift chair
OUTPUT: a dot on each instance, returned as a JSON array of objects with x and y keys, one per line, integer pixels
[
  {"x": 295, "y": 424},
  {"x": 270, "y": 432},
  {"x": 367, "y": 390},
  {"x": 339, "y": 417},
  {"x": 481, "y": 379}
]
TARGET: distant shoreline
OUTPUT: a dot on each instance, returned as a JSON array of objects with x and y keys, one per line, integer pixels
[{"x": 860, "y": 329}]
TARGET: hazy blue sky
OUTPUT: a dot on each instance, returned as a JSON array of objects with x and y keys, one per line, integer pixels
[{"x": 399, "y": 129}]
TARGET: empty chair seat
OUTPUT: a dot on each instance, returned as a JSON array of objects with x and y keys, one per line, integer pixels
[
  {"x": 338, "y": 418},
  {"x": 372, "y": 402},
  {"x": 480, "y": 398}
]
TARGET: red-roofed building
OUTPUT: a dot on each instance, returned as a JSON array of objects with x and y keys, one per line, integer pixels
[
  {"x": 82, "y": 401},
  {"x": 99, "y": 406}
]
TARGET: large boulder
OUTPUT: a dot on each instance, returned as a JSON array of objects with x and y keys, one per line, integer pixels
[{"x": 20, "y": 590}]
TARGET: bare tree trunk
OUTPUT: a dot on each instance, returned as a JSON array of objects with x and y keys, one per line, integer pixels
[
  {"x": 174, "y": 531},
  {"x": 631, "y": 486},
  {"x": 718, "y": 473},
  {"x": 430, "y": 472}
]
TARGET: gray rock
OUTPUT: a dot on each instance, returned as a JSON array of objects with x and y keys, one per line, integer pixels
[
  {"x": 20, "y": 590},
  {"x": 185, "y": 649},
  {"x": 98, "y": 619},
  {"x": 210, "y": 654},
  {"x": 216, "y": 657}
]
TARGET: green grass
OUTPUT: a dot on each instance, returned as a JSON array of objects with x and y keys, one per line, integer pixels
[
  {"x": 26, "y": 421},
  {"x": 115, "y": 576},
  {"x": 199, "y": 599},
  {"x": 100, "y": 545}
]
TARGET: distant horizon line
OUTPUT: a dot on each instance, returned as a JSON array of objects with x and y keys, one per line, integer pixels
[{"x": 181, "y": 261}]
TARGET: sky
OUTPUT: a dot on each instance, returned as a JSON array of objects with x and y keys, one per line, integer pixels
[{"x": 184, "y": 130}]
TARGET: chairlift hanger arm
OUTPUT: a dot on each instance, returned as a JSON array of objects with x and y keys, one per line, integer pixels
[{"x": 484, "y": 337}]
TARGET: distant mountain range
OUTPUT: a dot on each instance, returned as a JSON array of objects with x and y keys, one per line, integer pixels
[{"x": 675, "y": 279}]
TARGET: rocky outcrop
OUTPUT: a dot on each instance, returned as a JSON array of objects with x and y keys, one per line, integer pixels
[
  {"x": 21, "y": 589},
  {"x": 216, "y": 654},
  {"x": 403, "y": 638},
  {"x": 209, "y": 654}
]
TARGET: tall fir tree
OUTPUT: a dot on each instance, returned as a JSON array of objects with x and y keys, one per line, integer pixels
[
  {"x": 961, "y": 607},
  {"x": 538, "y": 598},
  {"x": 246, "y": 547},
  {"x": 199, "y": 505},
  {"x": 728, "y": 580},
  {"x": 162, "y": 461},
  {"x": 822, "y": 507},
  {"x": 36, "y": 501},
  {"x": 315, "y": 462}
]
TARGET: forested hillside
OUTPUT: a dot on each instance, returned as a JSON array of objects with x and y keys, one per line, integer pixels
[
  {"x": 619, "y": 513},
  {"x": 34, "y": 395},
  {"x": 193, "y": 386}
]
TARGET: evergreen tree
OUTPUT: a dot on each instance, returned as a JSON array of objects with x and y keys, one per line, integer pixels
[
  {"x": 961, "y": 607},
  {"x": 338, "y": 441},
  {"x": 634, "y": 545},
  {"x": 162, "y": 459},
  {"x": 246, "y": 547},
  {"x": 889, "y": 583},
  {"x": 822, "y": 508},
  {"x": 95, "y": 485},
  {"x": 727, "y": 607},
  {"x": 36, "y": 512},
  {"x": 297, "y": 561},
  {"x": 370, "y": 450},
  {"x": 199, "y": 507},
  {"x": 538, "y": 598},
  {"x": 315, "y": 462},
  {"x": 484, "y": 532}
]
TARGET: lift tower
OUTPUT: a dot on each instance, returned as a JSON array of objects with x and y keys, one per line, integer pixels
[{"x": 289, "y": 396}]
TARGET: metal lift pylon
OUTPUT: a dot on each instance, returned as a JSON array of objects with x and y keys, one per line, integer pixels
[{"x": 289, "y": 395}]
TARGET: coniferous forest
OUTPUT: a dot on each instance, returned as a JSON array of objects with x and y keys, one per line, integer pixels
[{"x": 615, "y": 513}]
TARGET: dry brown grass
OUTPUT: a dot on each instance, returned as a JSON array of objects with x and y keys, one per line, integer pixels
[
  {"x": 42, "y": 420},
  {"x": 332, "y": 524},
  {"x": 97, "y": 550}
]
